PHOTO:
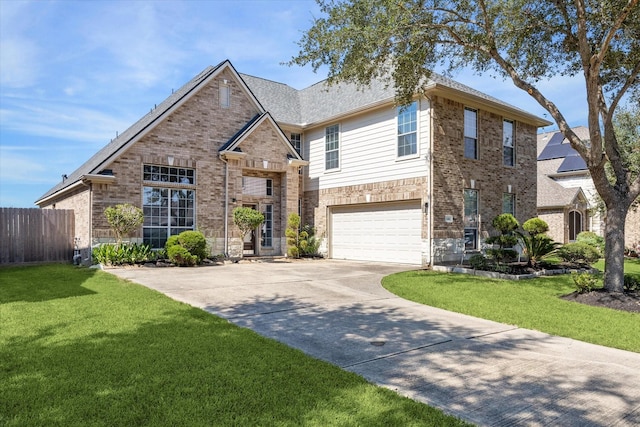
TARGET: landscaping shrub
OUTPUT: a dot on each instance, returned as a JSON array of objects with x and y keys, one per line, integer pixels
[
  {"x": 506, "y": 224},
  {"x": 536, "y": 243},
  {"x": 585, "y": 282},
  {"x": 579, "y": 252},
  {"x": 631, "y": 282},
  {"x": 591, "y": 238},
  {"x": 180, "y": 256},
  {"x": 194, "y": 246},
  {"x": 123, "y": 253},
  {"x": 478, "y": 262},
  {"x": 300, "y": 241}
]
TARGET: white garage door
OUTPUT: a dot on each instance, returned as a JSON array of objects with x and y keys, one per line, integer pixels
[{"x": 389, "y": 232}]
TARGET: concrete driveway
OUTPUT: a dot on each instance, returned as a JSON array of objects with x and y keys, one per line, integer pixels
[{"x": 485, "y": 372}]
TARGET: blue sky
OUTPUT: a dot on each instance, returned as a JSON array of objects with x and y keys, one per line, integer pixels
[{"x": 73, "y": 73}]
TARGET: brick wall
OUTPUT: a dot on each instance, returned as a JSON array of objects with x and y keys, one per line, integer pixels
[{"x": 453, "y": 172}]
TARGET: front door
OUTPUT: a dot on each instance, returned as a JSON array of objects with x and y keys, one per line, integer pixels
[{"x": 249, "y": 247}]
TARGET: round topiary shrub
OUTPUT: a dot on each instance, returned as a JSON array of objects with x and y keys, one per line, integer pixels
[
  {"x": 180, "y": 256},
  {"x": 195, "y": 243}
]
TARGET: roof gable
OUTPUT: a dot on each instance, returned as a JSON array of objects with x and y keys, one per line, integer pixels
[
  {"x": 145, "y": 124},
  {"x": 234, "y": 143}
]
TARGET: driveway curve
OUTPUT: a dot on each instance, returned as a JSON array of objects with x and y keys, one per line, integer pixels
[{"x": 485, "y": 372}]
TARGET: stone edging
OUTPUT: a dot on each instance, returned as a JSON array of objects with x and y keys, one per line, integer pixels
[{"x": 496, "y": 275}]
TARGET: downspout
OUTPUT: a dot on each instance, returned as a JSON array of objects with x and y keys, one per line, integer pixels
[
  {"x": 90, "y": 243},
  {"x": 226, "y": 205},
  {"x": 430, "y": 184}
]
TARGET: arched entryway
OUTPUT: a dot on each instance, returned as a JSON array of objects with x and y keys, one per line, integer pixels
[{"x": 575, "y": 225}]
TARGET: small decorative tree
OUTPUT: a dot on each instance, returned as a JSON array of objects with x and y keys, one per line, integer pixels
[
  {"x": 293, "y": 235},
  {"x": 507, "y": 225},
  {"x": 124, "y": 219},
  {"x": 247, "y": 219}
]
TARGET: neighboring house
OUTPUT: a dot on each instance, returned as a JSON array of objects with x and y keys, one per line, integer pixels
[
  {"x": 567, "y": 197},
  {"x": 417, "y": 185}
]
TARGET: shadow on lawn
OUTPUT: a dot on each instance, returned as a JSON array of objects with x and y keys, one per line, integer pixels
[
  {"x": 42, "y": 283},
  {"x": 472, "y": 371},
  {"x": 182, "y": 367}
]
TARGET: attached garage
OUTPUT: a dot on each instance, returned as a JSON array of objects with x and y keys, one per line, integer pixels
[{"x": 386, "y": 232}]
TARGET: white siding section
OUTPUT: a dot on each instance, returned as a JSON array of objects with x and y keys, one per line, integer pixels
[{"x": 368, "y": 150}]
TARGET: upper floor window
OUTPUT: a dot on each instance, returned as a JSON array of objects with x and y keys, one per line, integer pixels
[
  {"x": 332, "y": 147},
  {"x": 225, "y": 95},
  {"x": 296, "y": 141},
  {"x": 509, "y": 203},
  {"x": 508, "y": 149},
  {"x": 407, "y": 129},
  {"x": 168, "y": 174},
  {"x": 470, "y": 133}
]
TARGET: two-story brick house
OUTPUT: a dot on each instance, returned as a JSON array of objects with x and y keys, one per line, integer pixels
[{"x": 417, "y": 184}]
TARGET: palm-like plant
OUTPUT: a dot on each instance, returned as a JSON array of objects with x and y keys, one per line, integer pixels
[{"x": 536, "y": 243}]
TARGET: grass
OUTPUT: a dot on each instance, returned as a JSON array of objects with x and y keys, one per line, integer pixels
[
  {"x": 80, "y": 347},
  {"x": 531, "y": 304}
]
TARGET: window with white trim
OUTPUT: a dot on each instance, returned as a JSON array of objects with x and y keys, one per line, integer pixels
[
  {"x": 167, "y": 211},
  {"x": 267, "y": 227},
  {"x": 332, "y": 147},
  {"x": 471, "y": 219},
  {"x": 470, "y": 133},
  {"x": 508, "y": 149},
  {"x": 224, "y": 93},
  {"x": 296, "y": 141},
  {"x": 408, "y": 130}
]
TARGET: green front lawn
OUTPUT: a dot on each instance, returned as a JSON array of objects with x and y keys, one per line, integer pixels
[
  {"x": 80, "y": 347},
  {"x": 530, "y": 304}
]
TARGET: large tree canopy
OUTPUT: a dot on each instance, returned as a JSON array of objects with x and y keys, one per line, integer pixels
[{"x": 526, "y": 41}]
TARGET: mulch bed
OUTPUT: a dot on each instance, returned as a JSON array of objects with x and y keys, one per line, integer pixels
[{"x": 627, "y": 301}]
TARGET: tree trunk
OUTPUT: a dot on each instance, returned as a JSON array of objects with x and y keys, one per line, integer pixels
[{"x": 614, "y": 248}]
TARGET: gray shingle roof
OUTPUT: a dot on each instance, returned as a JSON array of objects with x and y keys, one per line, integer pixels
[
  {"x": 317, "y": 103},
  {"x": 91, "y": 166},
  {"x": 553, "y": 195},
  {"x": 320, "y": 102}
]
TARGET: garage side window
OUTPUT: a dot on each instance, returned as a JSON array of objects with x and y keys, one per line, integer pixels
[{"x": 332, "y": 147}]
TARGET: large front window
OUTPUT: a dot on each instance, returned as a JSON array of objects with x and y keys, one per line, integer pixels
[
  {"x": 407, "y": 130},
  {"x": 332, "y": 147},
  {"x": 470, "y": 133},
  {"x": 471, "y": 219},
  {"x": 167, "y": 210}
]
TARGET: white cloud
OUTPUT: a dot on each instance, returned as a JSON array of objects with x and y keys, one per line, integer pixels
[{"x": 19, "y": 66}]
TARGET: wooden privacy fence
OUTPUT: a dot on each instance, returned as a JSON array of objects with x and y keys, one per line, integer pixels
[{"x": 36, "y": 235}]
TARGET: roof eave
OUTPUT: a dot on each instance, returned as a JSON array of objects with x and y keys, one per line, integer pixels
[{"x": 485, "y": 104}]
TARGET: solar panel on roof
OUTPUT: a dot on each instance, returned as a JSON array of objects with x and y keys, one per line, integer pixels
[{"x": 572, "y": 163}]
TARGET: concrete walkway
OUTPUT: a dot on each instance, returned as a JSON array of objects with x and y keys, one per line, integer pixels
[{"x": 484, "y": 372}]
